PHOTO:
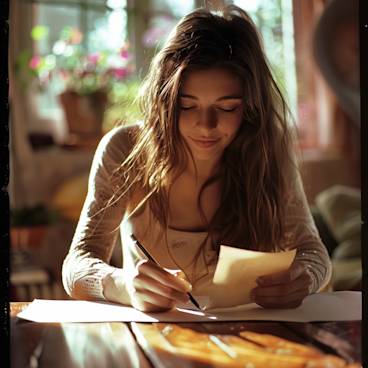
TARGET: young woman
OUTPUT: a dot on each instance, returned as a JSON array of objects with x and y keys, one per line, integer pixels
[{"x": 211, "y": 164}]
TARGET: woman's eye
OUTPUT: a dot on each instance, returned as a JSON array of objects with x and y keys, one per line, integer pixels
[
  {"x": 187, "y": 107},
  {"x": 228, "y": 109}
]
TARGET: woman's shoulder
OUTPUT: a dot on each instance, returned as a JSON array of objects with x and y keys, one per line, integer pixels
[
  {"x": 121, "y": 136},
  {"x": 117, "y": 143}
]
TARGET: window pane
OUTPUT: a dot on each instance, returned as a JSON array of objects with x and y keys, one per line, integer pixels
[
  {"x": 180, "y": 8},
  {"x": 275, "y": 22},
  {"x": 102, "y": 26},
  {"x": 55, "y": 18},
  {"x": 165, "y": 15},
  {"x": 106, "y": 31}
]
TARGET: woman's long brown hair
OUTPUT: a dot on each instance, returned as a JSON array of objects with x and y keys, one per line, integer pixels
[{"x": 255, "y": 168}]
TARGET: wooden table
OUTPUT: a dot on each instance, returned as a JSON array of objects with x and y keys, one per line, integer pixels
[{"x": 148, "y": 345}]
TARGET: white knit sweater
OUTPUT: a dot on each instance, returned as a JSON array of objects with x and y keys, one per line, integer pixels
[{"x": 87, "y": 262}]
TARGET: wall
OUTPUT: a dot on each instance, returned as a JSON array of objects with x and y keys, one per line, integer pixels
[{"x": 319, "y": 173}]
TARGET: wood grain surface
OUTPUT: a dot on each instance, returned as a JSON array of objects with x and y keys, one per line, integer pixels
[{"x": 254, "y": 344}]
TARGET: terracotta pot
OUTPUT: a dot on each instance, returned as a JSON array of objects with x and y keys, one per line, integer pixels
[
  {"x": 27, "y": 237},
  {"x": 84, "y": 113}
]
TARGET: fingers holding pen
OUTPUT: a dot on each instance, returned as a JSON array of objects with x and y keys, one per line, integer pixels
[
  {"x": 154, "y": 289},
  {"x": 148, "y": 284},
  {"x": 164, "y": 277}
]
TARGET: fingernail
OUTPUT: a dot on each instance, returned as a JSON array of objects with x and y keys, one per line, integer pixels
[
  {"x": 181, "y": 276},
  {"x": 186, "y": 284},
  {"x": 189, "y": 286}
]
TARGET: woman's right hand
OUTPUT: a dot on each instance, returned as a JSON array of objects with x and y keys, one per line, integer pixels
[{"x": 153, "y": 289}]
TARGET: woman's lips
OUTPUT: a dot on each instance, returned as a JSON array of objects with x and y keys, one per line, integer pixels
[{"x": 205, "y": 143}]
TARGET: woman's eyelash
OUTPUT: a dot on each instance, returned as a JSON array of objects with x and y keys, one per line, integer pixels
[
  {"x": 219, "y": 108},
  {"x": 228, "y": 109},
  {"x": 187, "y": 107}
]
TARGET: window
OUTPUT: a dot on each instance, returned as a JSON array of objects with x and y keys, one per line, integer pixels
[
  {"x": 274, "y": 20},
  {"x": 106, "y": 24},
  {"x": 101, "y": 25}
]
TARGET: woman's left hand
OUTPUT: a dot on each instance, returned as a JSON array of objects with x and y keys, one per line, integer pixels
[{"x": 285, "y": 289}]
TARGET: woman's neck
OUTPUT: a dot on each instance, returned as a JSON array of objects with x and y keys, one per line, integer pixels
[{"x": 202, "y": 169}]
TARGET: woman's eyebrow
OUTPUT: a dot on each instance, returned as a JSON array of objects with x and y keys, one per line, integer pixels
[
  {"x": 230, "y": 97},
  {"x": 188, "y": 96},
  {"x": 227, "y": 97}
]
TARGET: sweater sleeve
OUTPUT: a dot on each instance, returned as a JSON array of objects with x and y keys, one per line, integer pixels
[
  {"x": 302, "y": 235},
  {"x": 87, "y": 262}
]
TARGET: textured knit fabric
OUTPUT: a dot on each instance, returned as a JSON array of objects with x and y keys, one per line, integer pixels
[{"x": 87, "y": 263}]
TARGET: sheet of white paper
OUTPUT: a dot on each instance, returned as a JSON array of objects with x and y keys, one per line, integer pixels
[
  {"x": 237, "y": 271},
  {"x": 336, "y": 306}
]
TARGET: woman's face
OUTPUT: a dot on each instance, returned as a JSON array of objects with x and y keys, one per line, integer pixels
[{"x": 211, "y": 107}]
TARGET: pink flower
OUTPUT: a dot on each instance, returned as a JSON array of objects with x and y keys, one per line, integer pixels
[
  {"x": 119, "y": 73},
  {"x": 93, "y": 58},
  {"x": 124, "y": 54},
  {"x": 35, "y": 62}
]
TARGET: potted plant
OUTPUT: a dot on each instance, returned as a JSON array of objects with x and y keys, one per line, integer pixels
[
  {"x": 86, "y": 78},
  {"x": 28, "y": 225}
]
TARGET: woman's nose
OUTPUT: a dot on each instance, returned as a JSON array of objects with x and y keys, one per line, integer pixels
[{"x": 207, "y": 119}]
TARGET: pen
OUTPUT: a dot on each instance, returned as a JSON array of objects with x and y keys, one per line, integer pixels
[{"x": 145, "y": 252}]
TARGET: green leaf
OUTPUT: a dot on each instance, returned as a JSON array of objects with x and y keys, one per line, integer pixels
[{"x": 39, "y": 32}]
